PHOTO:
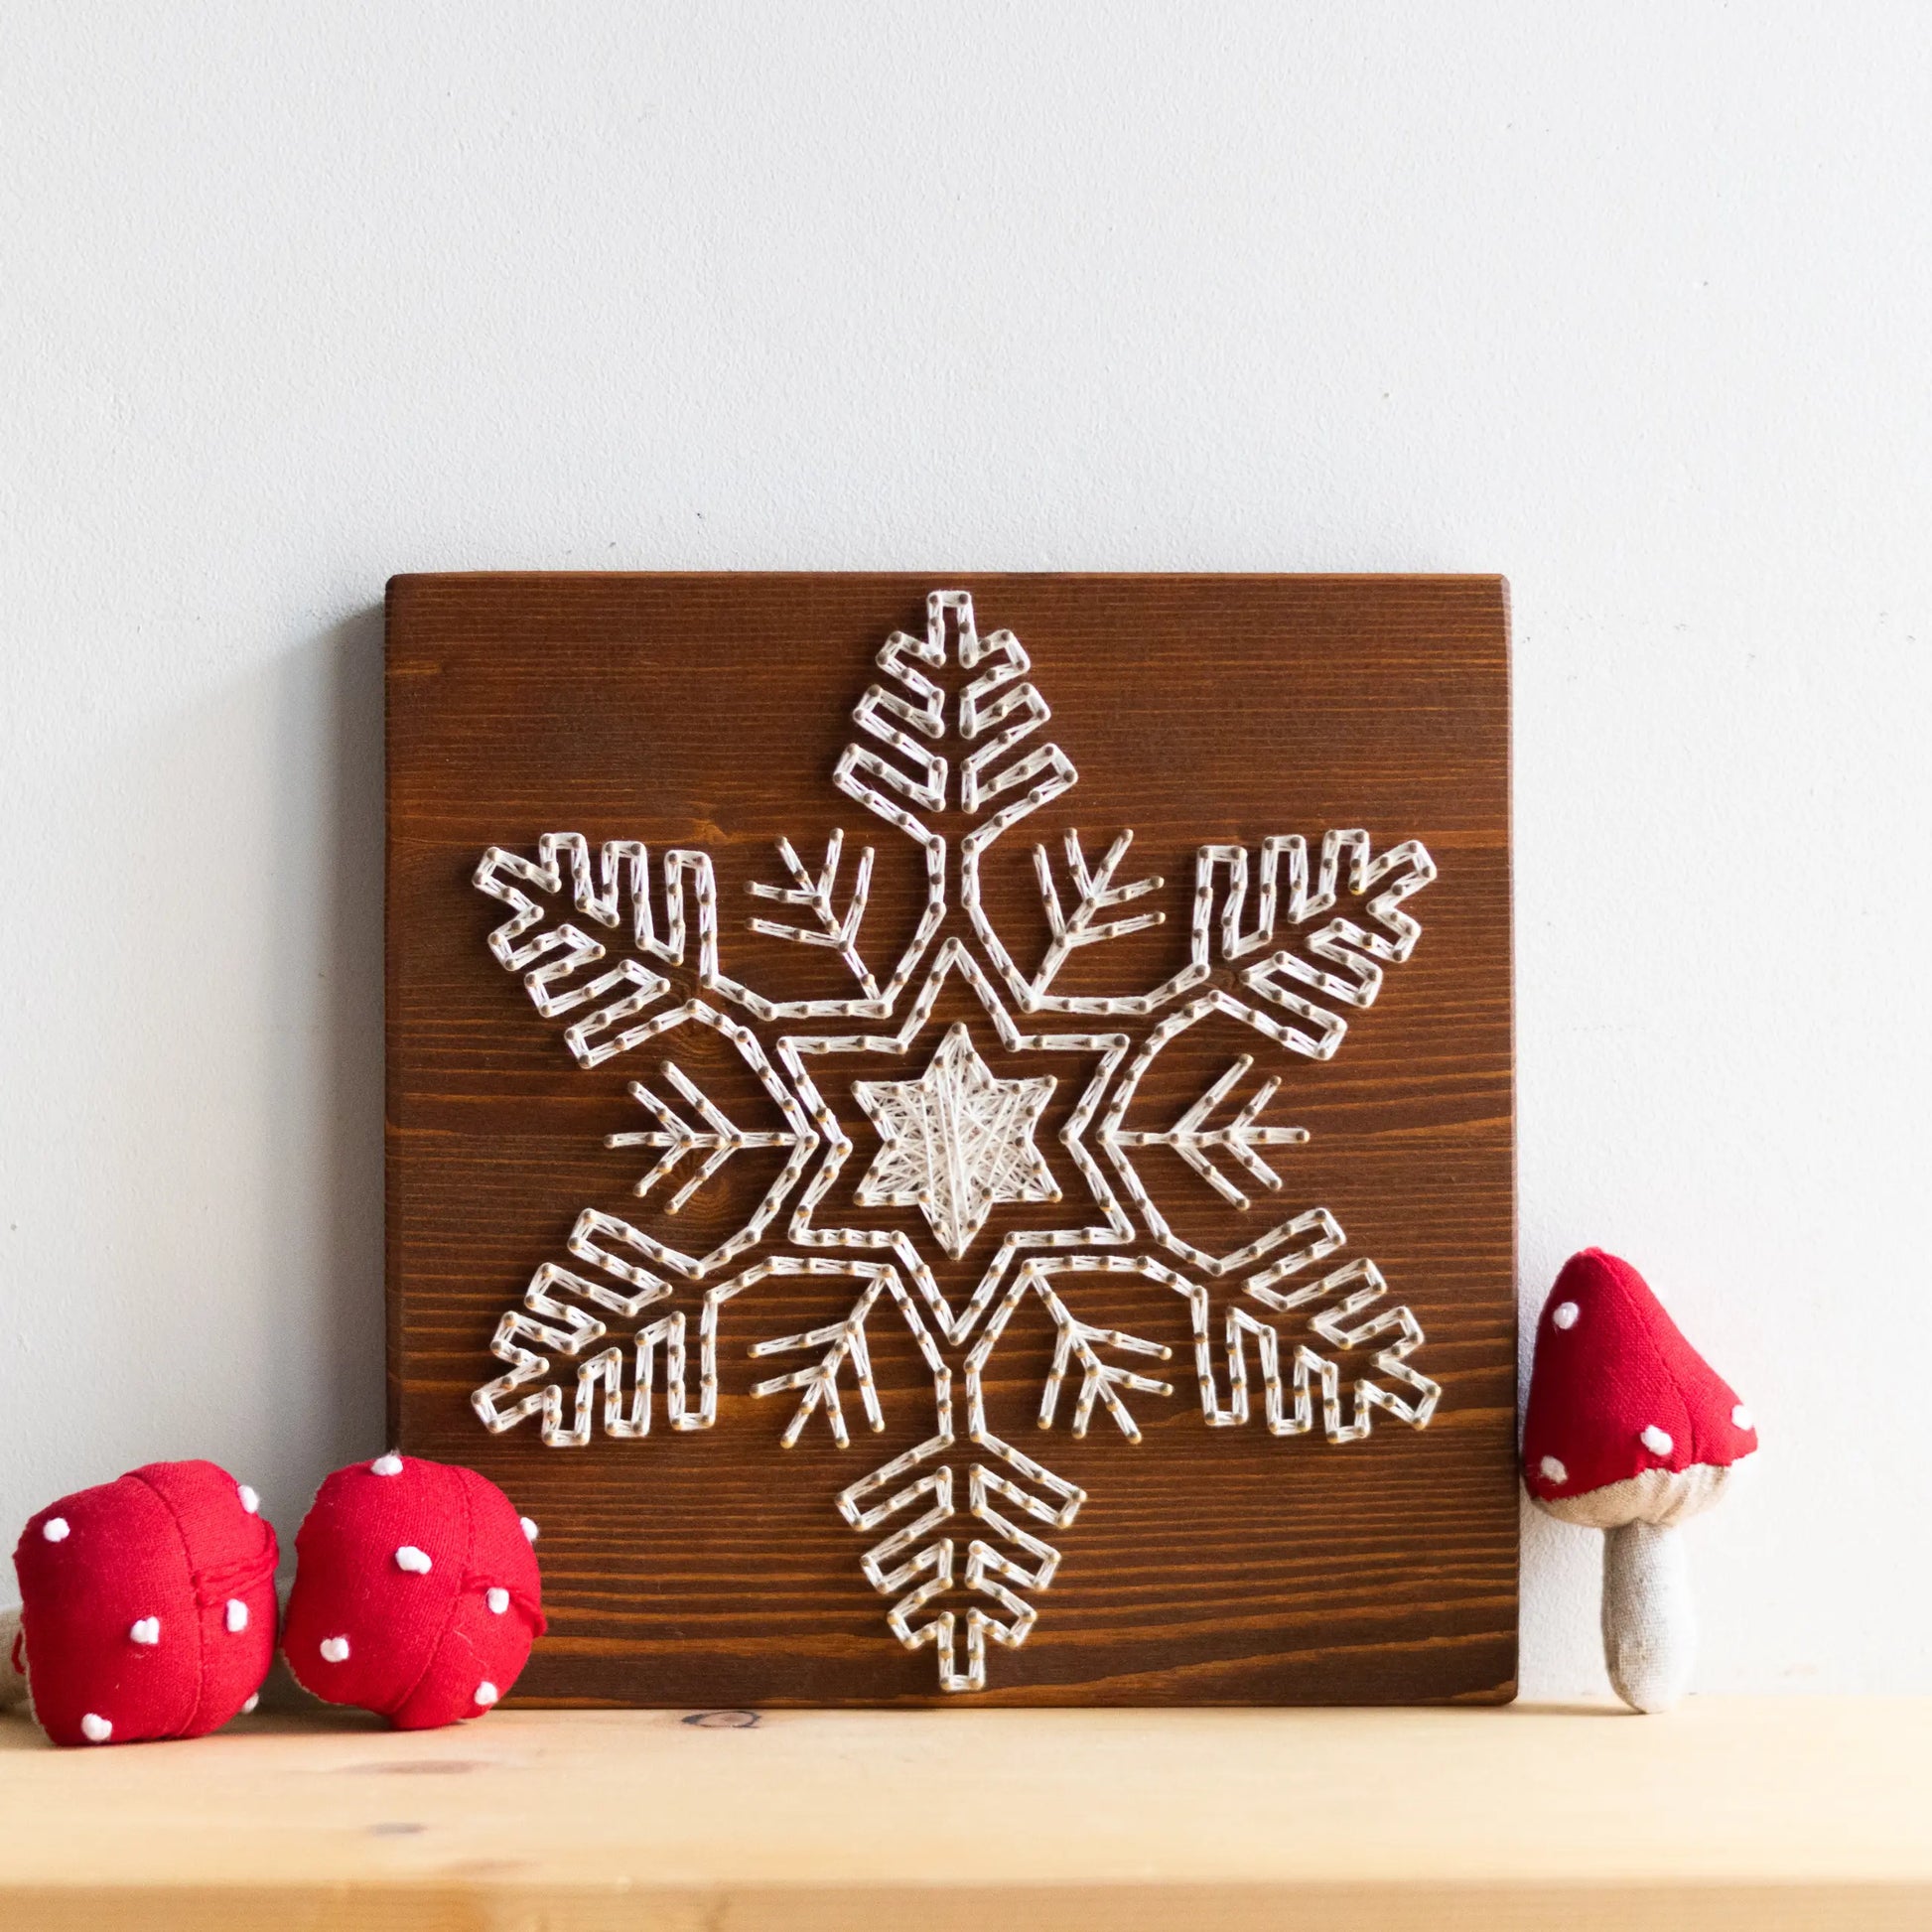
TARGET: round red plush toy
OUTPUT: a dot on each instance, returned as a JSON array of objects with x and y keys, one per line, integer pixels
[
  {"x": 147, "y": 1605},
  {"x": 416, "y": 1593}
]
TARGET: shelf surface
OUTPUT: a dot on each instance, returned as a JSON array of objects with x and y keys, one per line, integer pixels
[{"x": 1759, "y": 1813}]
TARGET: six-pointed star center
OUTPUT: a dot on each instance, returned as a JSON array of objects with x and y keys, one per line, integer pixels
[{"x": 956, "y": 1141}]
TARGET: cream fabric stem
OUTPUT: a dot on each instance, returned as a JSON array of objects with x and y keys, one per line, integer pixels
[{"x": 1649, "y": 1615}]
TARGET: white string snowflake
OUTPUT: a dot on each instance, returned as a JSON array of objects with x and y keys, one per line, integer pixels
[{"x": 1267, "y": 949}]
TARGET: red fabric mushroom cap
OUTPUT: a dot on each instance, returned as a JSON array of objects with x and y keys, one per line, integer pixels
[
  {"x": 147, "y": 1605},
  {"x": 1618, "y": 1397},
  {"x": 416, "y": 1593}
]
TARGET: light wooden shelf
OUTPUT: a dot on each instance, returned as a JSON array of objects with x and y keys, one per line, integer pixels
[{"x": 1732, "y": 1813}]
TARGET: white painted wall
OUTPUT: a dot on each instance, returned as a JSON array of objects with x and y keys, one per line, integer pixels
[{"x": 1632, "y": 302}]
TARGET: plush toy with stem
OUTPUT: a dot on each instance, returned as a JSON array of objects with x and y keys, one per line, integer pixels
[{"x": 1629, "y": 1429}]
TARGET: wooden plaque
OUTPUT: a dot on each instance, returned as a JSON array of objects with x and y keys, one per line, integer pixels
[{"x": 951, "y": 1138}]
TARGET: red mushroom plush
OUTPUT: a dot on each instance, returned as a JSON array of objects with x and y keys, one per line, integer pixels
[
  {"x": 1629, "y": 1431},
  {"x": 147, "y": 1607},
  {"x": 416, "y": 1593}
]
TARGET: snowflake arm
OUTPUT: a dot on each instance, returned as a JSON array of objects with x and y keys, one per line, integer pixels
[
  {"x": 917, "y": 1561},
  {"x": 1100, "y": 1379},
  {"x": 813, "y": 894},
  {"x": 1344, "y": 1316},
  {"x": 1097, "y": 895},
  {"x": 554, "y": 957},
  {"x": 843, "y": 1342},
  {"x": 1191, "y": 1137},
  {"x": 719, "y": 1134},
  {"x": 1341, "y": 961}
]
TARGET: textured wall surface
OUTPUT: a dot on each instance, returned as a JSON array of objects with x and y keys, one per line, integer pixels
[{"x": 1630, "y": 303}]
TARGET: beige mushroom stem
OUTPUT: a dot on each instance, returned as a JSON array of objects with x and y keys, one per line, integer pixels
[{"x": 1650, "y": 1630}]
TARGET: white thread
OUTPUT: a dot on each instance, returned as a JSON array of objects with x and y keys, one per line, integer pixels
[
  {"x": 236, "y": 1617},
  {"x": 528, "y": 1528},
  {"x": 1191, "y": 1137},
  {"x": 1117, "y": 1141},
  {"x": 1740, "y": 1418},
  {"x": 719, "y": 1134},
  {"x": 1099, "y": 1379},
  {"x": 334, "y": 1650},
  {"x": 845, "y": 1342},
  {"x": 1353, "y": 1291},
  {"x": 986, "y": 1572},
  {"x": 952, "y": 959},
  {"x": 96, "y": 1729},
  {"x": 416, "y": 1561},
  {"x": 1084, "y": 926},
  {"x": 723, "y": 1136},
  {"x": 1655, "y": 1440},
  {"x": 1552, "y": 1470},
  {"x": 488, "y": 1694},
  {"x": 386, "y": 1466},
  {"x": 956, "y": 1141},
  {"x": 56, "y": 1529},
  {"x": 249, "y": 1500},
  {"x": 145, "y": 1630},
  {"x": 836, "y": 930},
  {"x": 1565, "y": 1315},
  {"x": 498, "y": 1598}
]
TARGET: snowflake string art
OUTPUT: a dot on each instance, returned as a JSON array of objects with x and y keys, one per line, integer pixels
[{"x": 949, "y": 751}]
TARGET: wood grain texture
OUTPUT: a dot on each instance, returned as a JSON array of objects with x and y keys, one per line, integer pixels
[
  {"x": 1796, "y": 1814},
  {"x": 1216, "y": 1566}
]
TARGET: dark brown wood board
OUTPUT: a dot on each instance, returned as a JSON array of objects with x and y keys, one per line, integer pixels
[{"x": 987, "y": 1148}]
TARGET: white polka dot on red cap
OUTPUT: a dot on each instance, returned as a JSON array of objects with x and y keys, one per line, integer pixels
[
  {"x": 1740, "y": 1418},
  {"x": 334, "y": 1650},
  {"x": 236, "y": 1617},
  {"x": 498, "y": 1601},
  {"x": 1656, "y": 1440},
  {"x": 1552, "y": 1470},
  {"x": 413, "y": 1559},
  {"x": 487, "y": 1693},
  {"x": 96, "y": 1729},
  {"x": 249, "y": 1500},
  {"x": 254, "y": 1698},
  {"x": 1565, "y": 1315},
  {"x": 145, "y": 1629},
  {"x": 529, "y": 1529},
  {"x": 386, "y": 1466},
  {"x": 56, "y": 1529}
]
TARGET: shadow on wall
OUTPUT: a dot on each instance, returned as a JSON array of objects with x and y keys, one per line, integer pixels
[{"x": 325, "y": 1167}]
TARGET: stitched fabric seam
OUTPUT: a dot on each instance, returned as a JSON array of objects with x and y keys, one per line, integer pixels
[
  {"x": 187, "y": 1562},
  {"x": 456, "y": 1597},
  {"x": 214, "y": 1585}
]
